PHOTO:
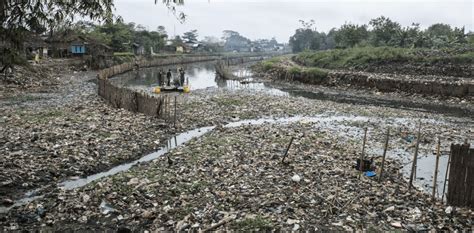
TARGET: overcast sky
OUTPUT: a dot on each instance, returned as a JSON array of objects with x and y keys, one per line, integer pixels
[{"x": 279, "y": 18}]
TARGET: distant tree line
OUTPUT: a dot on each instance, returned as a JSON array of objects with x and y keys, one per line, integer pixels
[{"x": 381, "y": 31}]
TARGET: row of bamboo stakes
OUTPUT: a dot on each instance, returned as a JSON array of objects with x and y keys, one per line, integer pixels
[
  {"x": 414, "y": 163},
  {"x": 167, "y": 111}
]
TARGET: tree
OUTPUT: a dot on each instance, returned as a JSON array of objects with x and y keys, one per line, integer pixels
[
  {"x": 329, "y": 39},
  {"x": 411, "y": 36},
  {"x": 235, "y": 42},
  {"x": 212, "y": 44},
  {"x": 439, "y": 30},
  {"x": 306, "y": 38},
  {"x": 190, "y": 37},
  {"x": 161, "y": 29},
  {"x": 385, "y": 32},
  {"x": 349, "y": 35}
]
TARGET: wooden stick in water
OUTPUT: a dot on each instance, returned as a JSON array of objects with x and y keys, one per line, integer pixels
[
  {"x": 175, "y": 107},
  {"x": 287, "y": 149},
  {"x": 415, "y": 158},
  {"x": 435, "y": 176},
  {"x": 384, "y": 154},
  {"x": 362, "y": 155},
  {"x": 446, "y": 176}
]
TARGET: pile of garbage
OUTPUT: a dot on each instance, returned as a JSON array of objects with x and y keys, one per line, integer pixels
[{"x": 236, "y": 179}]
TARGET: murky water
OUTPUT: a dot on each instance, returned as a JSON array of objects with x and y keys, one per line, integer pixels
[
  {"x": 200, "y": 76},
  {"x": 28, "y": 197}
]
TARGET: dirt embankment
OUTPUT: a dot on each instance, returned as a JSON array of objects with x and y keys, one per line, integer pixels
[
  {"x": 453, "y": 62},
  {"x": 440, "y": 68},
  {"x": 444, "y": 86}
]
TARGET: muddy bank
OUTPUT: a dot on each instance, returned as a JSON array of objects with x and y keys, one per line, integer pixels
[
  {"x": 233, "y": 179},
  {"x": 425, "y": 85}
]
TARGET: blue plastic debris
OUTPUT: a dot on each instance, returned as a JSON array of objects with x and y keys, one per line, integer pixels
[
  {"x": 370, "y": 174},
  {"x": 409, "y": 138}
]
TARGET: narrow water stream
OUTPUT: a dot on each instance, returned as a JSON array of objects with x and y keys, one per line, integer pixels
[{"x": 170, "y": 144}]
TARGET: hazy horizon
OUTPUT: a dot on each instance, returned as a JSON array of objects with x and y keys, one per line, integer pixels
[{"x": 258, "y": 19}]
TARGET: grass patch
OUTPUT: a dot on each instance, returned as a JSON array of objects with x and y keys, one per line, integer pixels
[
  {"x": 294, "y": 70},
  {"x": 316, "y": 72},
  {"x": 123, "y": 54},
  {"x": 11, "y": 100},
  {"x": 363, "y": 56},
  {"x": 269, "y": 64},
  {"x": 43, "y": 117},
  {"x": 228, "y": 101},
  {"x": 252, "y": 224}
]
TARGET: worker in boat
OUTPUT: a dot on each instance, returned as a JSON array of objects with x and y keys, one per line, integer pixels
[
  {"x": 181, "y": 77},
  {"x": 160, "y": 77},
  {"x": 168, "y": 77}
]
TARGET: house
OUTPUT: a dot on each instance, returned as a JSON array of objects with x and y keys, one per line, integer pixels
[
  {"x": 180, "y": 49},
  {"x": 35, "y": 45},
  {"x": 138, "y": 49},
  {"x": 71, "y": 44},
  {"x": 78, "y": 48}
]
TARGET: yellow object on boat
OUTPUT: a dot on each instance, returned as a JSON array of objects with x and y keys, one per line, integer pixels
[
  {"x": 186, "y": 89},
  {"x": 157, "y": 90}
]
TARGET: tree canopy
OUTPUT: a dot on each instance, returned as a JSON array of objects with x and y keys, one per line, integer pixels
[
  {"x": 20, "y": 17},
  {"x": 190, "y": 37},
  {"x": 381, "y": 31}
]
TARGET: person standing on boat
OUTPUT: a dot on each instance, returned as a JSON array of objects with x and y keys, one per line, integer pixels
[
  {"x": 168, "y": 77},
  {"x": 181, "y": 76},
  {"x": 161, "y": 77}
]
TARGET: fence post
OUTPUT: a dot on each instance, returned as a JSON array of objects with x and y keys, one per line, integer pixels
[
  {"x": 175, "y": 107},
  {"x": 362, "y": 155},
  {"x": 415, "y": 158},
  {"x": 384, "y": 153},
  {"x": 446, "y": 174},
  {"x": 435, "y": 176}
]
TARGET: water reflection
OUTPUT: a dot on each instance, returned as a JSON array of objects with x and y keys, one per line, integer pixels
[{"x": 200, "y": 75}]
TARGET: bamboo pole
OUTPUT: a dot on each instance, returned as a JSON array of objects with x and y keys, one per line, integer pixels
[
  {"x": 175, "y": 107},
  {"x": 362, "y": 155},
  {"x": 287, "y": 149},
  {"x": 384, "y": 153},
  {"x": 435, "y": 176},
  {"x": 446, "y": 176},
  {"x": 415, "y": 158}
]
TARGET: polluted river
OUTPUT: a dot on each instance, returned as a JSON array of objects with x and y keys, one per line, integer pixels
[{"x": 221, "y": 117}]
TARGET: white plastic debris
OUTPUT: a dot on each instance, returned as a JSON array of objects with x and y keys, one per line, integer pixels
[{"x": 296, "y": 178}]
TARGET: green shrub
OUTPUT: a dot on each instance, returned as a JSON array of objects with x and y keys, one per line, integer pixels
[
  {"x": 294, "y": 70},
  {"x": 267, "y": 65},
  {"x": 363, "y": 56},
  {"x": 316, "y": 72}
]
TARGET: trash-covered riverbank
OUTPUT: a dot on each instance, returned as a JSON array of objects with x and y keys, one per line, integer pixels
[
  {"x": 72, "y": 132},
  {"x": 234, "y": 178},
  {"x": 67, "y": 130}
]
